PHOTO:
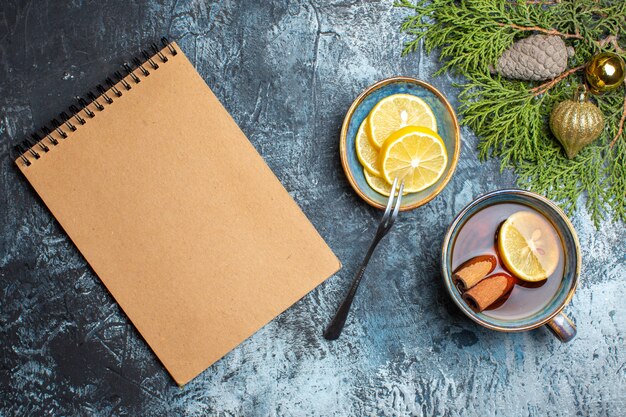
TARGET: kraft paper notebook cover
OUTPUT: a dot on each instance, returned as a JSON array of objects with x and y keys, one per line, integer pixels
[{"x": 177, "y": 214}]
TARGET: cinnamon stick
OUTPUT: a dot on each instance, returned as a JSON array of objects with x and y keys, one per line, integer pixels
[
  {"x": 488, "y": 291},
  {"x": 470, "y": 272}
]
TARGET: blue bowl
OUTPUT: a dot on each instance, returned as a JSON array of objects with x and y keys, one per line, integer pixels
[{"x": 447, "y": 128}]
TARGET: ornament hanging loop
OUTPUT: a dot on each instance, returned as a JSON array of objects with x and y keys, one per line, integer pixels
[{"x": 581, "y": 94}]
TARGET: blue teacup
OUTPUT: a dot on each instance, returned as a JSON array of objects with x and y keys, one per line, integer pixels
[{"x": 551, "y": 315}]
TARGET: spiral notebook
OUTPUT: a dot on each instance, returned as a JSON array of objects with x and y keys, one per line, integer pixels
[{"x": 176, "y": 212}]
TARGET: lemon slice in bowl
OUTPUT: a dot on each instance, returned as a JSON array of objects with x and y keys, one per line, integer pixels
[
  {"x": 395, "y": 112},
  {"x": 414, "y": 154},
  {"x": 365, "y": 152},
  {"x": 378, "y": 184},
  {"x": 528, "y": 246}
]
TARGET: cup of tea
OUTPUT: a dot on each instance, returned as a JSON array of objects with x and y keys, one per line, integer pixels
[{"x": 511, "y": 260}]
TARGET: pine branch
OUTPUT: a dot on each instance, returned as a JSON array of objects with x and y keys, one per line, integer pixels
[
  {"x": 613, "y": 41},
  {"x": 543, "y": 88},
  {"x": 620, "y": 125},
  {"x": 542, "y": 30},
  {"x": 510, "y": 117}
]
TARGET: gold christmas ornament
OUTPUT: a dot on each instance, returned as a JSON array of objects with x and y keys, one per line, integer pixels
[
  {"x": 576, "y": 123},
  {"x": 605, "y": 72}
]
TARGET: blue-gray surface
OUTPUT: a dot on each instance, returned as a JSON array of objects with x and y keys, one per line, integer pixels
[{"x": 287, "y": 71}]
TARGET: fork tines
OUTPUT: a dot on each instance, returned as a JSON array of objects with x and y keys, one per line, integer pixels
[{"x": 390, "y": 216}]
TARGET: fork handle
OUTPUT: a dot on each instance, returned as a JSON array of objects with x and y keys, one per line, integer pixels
[{"x": 336, "y": 325}]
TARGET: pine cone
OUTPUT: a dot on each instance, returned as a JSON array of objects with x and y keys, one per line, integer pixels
[{"x": 535, "y": 58}]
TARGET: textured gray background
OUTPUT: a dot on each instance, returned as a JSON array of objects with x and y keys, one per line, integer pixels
[{"x": 287, "y": 71}]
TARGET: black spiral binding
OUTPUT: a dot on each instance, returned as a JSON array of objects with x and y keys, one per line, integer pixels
[{"x": 34, "y": 146}]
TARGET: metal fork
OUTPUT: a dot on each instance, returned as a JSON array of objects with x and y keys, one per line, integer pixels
[{"x": 336, "y": 326}]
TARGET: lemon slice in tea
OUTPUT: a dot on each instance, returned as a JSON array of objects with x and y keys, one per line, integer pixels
[
  {"x": 395, "y": 112},
  {"x": 414, "y": 154},
  {"x": 365, "y": 152},
  {"x": 528, "y": 246}
]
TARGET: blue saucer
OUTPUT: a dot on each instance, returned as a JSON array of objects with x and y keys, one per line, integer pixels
[{"x": 447, "y": 127}]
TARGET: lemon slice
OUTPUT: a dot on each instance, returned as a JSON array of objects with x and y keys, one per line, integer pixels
[
  {"x": 367, "y": 154},
  {"x": 414, "y": 154},
  {"x": 379, "y": 184},
  {"x": 395, "y": 112},
  {"x": 528, "y": 246}
]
